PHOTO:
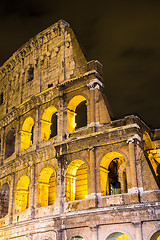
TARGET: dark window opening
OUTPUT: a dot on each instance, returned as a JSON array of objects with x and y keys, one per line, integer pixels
[
  {"x": 54, "y": 125},
  {"x": 81, "y": 115},
  {"x": 10, "y": 143},
  {"x": 32, "y": 134},
  {"x": 4, "y": 200},
  {"x": 50, "y": 85},
  {"x": 124, "y": 182},
  {"x": 1, "y": 98},
  {"x": 114, "y": 184},
  {"x": 30, "y": 74}
]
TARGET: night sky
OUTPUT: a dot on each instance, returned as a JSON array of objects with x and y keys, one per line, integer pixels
[{"x": 123, "y": 35}]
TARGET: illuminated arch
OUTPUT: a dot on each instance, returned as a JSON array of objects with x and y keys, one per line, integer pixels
[
  {"x": 49, "y": 123},
  {"x": 10, "y": 143},
  {"x": 76, "y": 181},
  {"x": 22, "y": 194},
  {"x": 4, "y": 200},
  {"x": 46, "y": 187},
  {"x": 117, "y": 236},
  {"x": 71, "y": 112},
  {"x": 27, "y": 133},
  {"x": 111, "y": 178},
  {"x": 156, "y": 236},
  {"x": 148, "y": 145}
]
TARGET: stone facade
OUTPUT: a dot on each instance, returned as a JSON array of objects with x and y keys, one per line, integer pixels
[{"x": 67, "y": 171}]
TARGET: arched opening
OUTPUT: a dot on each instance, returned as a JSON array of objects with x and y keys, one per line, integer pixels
[
  {"x": 76, "y": 182},
  {"x": 156, "y": 236},
  {"x": 10, "y": 143},
  {"x": 22, "y": 194},
  {"x": 46, "y": 187},
  {"x": 4, "y": 200},
  {"x": 77, "y": 238},
  {"x": 49, "y": 123},
  {"x": 27, "y": 133},
  {"x": 112, "y": 176},
  {"x": 76, "y": 113},
  {"x": 117, "y": 236}
]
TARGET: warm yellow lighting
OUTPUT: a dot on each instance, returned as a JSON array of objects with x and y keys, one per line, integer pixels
[
  {"x": 46, "y": 187},
  {"x": 76, "y": 180},
  {"x": 22, "y": 194},
  {"x": 104, "y": 165},
  {"x": 46, "y": 123},
  {"x": 74, "y": 102},
  {"x": 26, "y": 133}
]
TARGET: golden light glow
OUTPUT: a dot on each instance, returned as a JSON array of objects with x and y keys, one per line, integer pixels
[
  {"x": 46, "y": 187},
  {"x": 76, "y": 181},
  {"x": 74, "y": 102},
  {"x": 26, "y": 133},
  {"x": 104, "y": 171},
  {"x": 46, "y": 123},
  {"x": 22, "y": 194}
]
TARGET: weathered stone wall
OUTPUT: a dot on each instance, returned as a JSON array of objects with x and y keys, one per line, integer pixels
[{"x": 104, "y": 175}]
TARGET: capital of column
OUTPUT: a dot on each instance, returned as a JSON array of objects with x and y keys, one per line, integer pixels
[
  {"x": 134, "y": 138},
  {"x": 93, "y": 227},
  {"x": 136, "y": 223},
  {"x": 94, "y": 84}
]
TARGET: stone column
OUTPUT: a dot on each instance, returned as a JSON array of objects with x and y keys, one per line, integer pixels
[
  {"x": 37, "y": 131},
  {"x": 132, "y": 160},
  {"x": 11, "y": 199},
  {"x": 58, "y": 204},
  {"x": 62, "y": 118},
  {"x": 93, "y": 175},
  {"x": 2, "y": 146},
  {"x": 138, "y": 230},
  {"x": 32, "y": 191},
  {"x": 94, "y": 86},
  {"x": 94, "y": 232}
]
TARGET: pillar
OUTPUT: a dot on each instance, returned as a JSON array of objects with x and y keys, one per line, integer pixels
[
  {"x": 138, "y": 230},
  {"x": 37, "y": 131},
  {"x": 11, "y": 198},
  {"x": 61, "y": 120},
  {"x": 32, "y": 191},
  {"x": 2, "y": 146},
  {"x": 94, "y": 232},
  {"x": 132, "y": 160},
  {"x": 93, "y": 175},
  {"x": 58, "y": 204}
]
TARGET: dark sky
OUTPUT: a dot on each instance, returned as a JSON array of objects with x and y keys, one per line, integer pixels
[{"x": 123, "y": 35}]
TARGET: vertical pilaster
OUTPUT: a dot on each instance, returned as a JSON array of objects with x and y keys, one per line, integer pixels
[
  {"x": 94, "y": 232},
  {"x": 132, "y": 160},
  {"x": 58, "y": 204},
  {"x": 2, "y": 145},
  {"x": 37, "y": 130},
  {"x": 11, "y": 198},
  {"x": 138, "y": 230},
  {"x": 61, "y": 127},
  {"x": 32, "y": 191},
  {"x": 93, "y": 175}
]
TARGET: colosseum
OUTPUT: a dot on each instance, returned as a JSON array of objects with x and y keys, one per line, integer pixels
[{"x": 69, "y": 172}]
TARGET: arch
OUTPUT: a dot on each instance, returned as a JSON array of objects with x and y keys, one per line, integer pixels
[
  {"x": 156, "y": 236},
  {"x": 49, "y": 123},
  {"x": 76, "y": 103},
  {"x": 76, "y": 180},
  {"x": 112, "y": 178},
  {"x": 10, "y": 143},
  {"x": 22, "y": 194},
  {"x": 148, "y": 145},
  {"x": 4, "y": 200},
  {"x": 27, "y": 133},
  {"x": 117, "y": 236},
  {"x": 46, "y": 187}
]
